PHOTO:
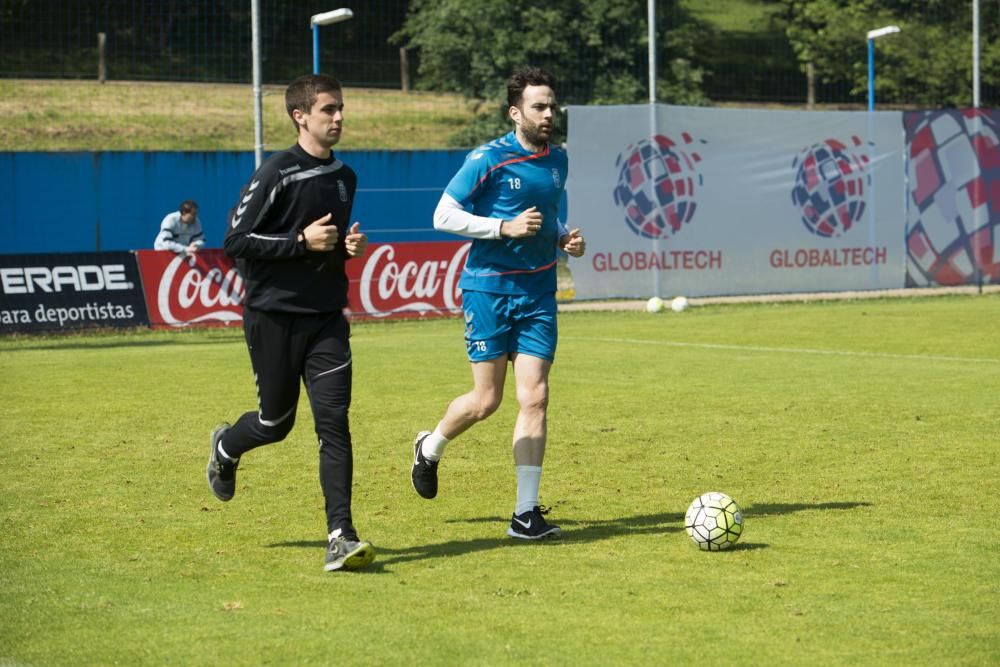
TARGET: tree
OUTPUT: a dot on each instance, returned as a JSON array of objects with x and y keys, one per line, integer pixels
[
  {"x": 596, "y": 49},
  {"x": 928, "y": 64}
]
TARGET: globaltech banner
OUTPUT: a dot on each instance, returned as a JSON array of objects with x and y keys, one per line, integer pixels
[{"x": 695, "y": 201}]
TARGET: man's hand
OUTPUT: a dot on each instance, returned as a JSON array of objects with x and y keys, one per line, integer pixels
[
  {"x": 356, "y": 242},
  {"x": 320, "y": 236},
  {"x": 573, "y": 244},
  {"x": 527, "y": 223},
  {"x": 191, "y": 249}
]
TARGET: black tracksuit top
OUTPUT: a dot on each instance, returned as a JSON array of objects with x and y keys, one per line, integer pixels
[{"x": 287, "y": 193}]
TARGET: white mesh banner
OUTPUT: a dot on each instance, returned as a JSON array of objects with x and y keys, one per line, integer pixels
[{"x": 693, "y": 201}]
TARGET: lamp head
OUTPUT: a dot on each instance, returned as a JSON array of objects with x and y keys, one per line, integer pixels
[
  {"x": 882, "y": 32},
  {"x": 326, "y": 18}
]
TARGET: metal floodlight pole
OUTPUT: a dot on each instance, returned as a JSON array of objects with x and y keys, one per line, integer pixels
[
  {"x": 977, "y": 184},
  {"x": 651, "y": 33},
  {"x": 326, "y": 18},
  {"x": 872, "y": 36},
  {"x": 653, "y": 130},
  {"x": 258, "y": 121},
  {"x": 975, "y": 54}
]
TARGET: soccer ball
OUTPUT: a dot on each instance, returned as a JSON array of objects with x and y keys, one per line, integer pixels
[
  {"x": 679, "y": 304},
  {"x": 655, "y": 305},
  {"x": 714, "y": 521}
]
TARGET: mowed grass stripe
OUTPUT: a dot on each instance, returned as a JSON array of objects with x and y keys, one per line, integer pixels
[{"x": 780, "y": 350}]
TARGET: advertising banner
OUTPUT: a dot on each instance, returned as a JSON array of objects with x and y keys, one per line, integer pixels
[
  {"x": 61, "y": 292},
  {"x": 397, "y": 280},
  {"x": 205, "y": 289},
  {"x": 699, "y": 202},
  {"x": 953, "y": 202},
  {"x": 392, "y": 280}
]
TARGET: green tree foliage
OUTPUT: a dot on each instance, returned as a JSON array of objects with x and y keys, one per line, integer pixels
[
  {"x": 597, "y": 49},
  {"x": 928, "y": 64}
]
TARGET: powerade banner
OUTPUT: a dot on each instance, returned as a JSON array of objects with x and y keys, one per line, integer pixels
[
  {"x": 391, "y": 281},
  {"x": 694, "y": 201},
  {"x": 70, "y": 291}
]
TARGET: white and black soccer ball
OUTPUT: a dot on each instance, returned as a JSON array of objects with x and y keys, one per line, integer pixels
[{"x": 714, "y": 521}]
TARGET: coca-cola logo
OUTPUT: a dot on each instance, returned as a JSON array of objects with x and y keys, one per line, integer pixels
[
  {"x": 420, "y": 285},
  {"x": 196, "y": 291}
]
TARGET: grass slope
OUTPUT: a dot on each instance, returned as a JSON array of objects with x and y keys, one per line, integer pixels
[
  {"x": 859, "y": 437},
  {"x": 87, "y": 116}
]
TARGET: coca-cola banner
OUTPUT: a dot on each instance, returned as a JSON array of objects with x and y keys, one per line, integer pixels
[
  {"x": 205, "y": 289},
  {"x": 58, "y": 292},
  {"x": 392, "y": 280},
  {"x": 396, "y": 280}
]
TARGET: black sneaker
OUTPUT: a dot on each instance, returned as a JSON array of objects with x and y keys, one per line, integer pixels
[
  {"x": 348, "y": 553},
  {"x": 531, "y": 525},
  {"x": 221, "y": 471},
  {"x": 424, "y": 473}
]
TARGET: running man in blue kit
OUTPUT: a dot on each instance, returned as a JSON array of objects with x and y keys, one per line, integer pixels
[{"x": 513, "y": 185}]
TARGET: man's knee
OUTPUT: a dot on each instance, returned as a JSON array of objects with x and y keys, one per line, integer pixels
[
  {"x": 275, "y": 431},
  {"x": 535, "y": 397},
  {"x": 485, "y": 404}
]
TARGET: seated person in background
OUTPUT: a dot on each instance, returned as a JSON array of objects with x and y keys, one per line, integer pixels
[{"x": 181, "y": 231}]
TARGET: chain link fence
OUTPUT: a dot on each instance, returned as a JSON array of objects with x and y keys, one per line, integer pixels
[{"x": 742, "y": 52}]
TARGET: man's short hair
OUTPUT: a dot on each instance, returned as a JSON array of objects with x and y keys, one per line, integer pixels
[
  {"x": 301, "y": 93},
  {"x": 524, "y": 77},
  {"x": 187, "y": 206}
]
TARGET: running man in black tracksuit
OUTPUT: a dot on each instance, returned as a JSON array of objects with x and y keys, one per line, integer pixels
[{"x": 290, "y": 236}]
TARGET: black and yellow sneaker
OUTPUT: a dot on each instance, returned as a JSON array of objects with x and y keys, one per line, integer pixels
[
  {"x": 221, "y": 472},
  {"x": 424, "y": 473},
  {"x": 347, "y": 552},
  {"x": 531, "y": 525}
]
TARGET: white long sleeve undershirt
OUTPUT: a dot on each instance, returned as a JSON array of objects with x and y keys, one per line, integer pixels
[{"x": 451, "y": 216}]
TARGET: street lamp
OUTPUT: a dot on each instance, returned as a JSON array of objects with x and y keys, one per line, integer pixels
[
  {"x": 872, "y": 36},
  {"x": 326, "y": 18}
]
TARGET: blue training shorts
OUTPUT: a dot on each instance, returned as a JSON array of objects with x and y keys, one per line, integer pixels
[{"x": 500, "y": 324}]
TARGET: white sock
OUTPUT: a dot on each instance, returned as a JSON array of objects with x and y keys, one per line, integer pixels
[
  {"x": 223, "y": 452},
  {"x": 528, "y": 480},
  {"x": 433, "y": 445}
]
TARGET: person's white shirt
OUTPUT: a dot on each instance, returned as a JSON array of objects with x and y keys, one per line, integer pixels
[{"x": 179, "y": 236}]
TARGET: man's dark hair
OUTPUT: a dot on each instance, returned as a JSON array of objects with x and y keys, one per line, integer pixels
[
  {"x": 187, "y": 206},
  {"x": 524, "y": 77},
  {"x": 301, "y": 93}
]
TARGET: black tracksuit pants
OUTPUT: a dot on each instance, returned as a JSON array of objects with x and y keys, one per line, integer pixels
[{"x": 315, "y": 348}]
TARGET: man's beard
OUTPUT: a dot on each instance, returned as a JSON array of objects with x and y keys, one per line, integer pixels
[{"x": 535, "y": 135}]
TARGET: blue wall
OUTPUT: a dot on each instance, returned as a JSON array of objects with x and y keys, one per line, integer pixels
[{"x": 73, "y": 202}]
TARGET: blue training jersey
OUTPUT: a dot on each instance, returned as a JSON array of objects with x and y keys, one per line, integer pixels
[{"x": 500, "y": 180}]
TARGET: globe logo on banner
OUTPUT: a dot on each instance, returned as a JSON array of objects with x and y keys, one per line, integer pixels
[
  {"x": 830, "y": 186},
  {"x": 953, "y": 211},
  {"x": 656, "y": 185}
]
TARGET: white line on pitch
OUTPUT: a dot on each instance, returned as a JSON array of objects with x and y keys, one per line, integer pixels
[{"x": 792, "y": 350}]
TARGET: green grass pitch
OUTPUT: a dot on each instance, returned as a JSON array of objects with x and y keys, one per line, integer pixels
[{"x": 860, "y": 439}]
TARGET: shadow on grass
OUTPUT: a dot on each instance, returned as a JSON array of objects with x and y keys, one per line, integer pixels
[
  {"x": 573, "y": 532},
  {"x": 766, "y": 509}
]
